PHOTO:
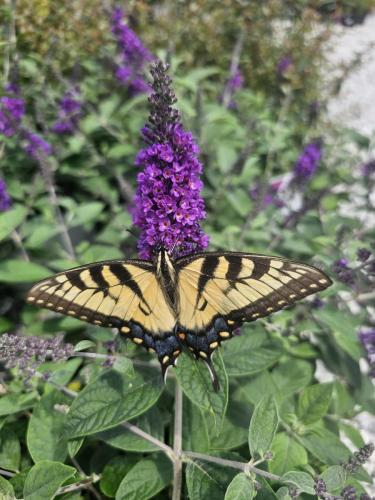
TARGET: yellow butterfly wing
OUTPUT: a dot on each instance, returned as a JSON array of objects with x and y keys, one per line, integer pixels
[
  {"x": 220, "y": 291},
  {"x": 119, "y": 294}
]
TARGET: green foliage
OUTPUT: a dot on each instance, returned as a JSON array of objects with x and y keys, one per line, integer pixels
[{"x": 274, "y": 410}]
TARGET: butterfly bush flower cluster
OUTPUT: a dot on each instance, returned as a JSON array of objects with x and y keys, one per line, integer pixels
[
  {"x": 308, "y": 161},
  {"x": 270, "y": 194},
  {"x": 5, "y": 199},
  {"x": 283, "y": 65},
  {"x": 27, "y": 353},
  {"x": 134, "y": 55},
  {"x": 233, "y": 85},
  {"x": 367, "y": 339},
  {"x": 168, "y": 205},
  {"x": 35, "y": 145},
  {"x": 69, "y": 114},
  {"x": 12, "y": 110}
]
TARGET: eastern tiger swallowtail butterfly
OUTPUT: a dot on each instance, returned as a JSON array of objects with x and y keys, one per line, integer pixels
[{"x": 196, "y": 301}]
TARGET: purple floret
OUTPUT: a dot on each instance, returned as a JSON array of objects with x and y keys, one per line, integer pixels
[{"x": 308, "y": 161}]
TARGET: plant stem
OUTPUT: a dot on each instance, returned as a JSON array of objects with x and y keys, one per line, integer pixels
[
  {"x": 18, "y": 242},
  {"x": 47, "y": 174},
  {"x": 151, "y": 439},
  {"x": 85, "y": 483},
  {"x": 6, "y": 473},
  {"x": 177, "y": 443},
  {"x": 244, "y": 466}
]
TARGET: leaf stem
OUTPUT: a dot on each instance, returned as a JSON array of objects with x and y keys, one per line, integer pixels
[
  {"x": 47, "y": 174},
  {"x": 177, "y": 443},
  {"x": 244, "y": 466},
  {"x": 6, "y": 473}
]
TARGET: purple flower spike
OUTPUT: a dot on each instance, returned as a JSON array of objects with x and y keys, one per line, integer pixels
[
  {"x": 367, "y": 339},
  {"x": 36, "y": 145},
  {"x": 69, "y": 114},
  {"x": 5, "y": 199},
  {"x": 12, "y": 110},
  {"x": 168, "y": 206},
  {"x": 308, "y": 161},
  {"x": 283, "y": 65},
  {"x": 134, "y": 55},
  {"x": 368, "y": 168}
]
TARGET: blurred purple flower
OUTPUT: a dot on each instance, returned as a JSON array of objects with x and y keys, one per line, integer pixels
[
  {"x": 363, "y": 254},
  {"x": 134, "y": 54},
  {"x": 368, "y": 168},
  {"x": 270, "y": 196},
  {"x": 5, "y": 199},
  {"x": 367, "y": 339},
  {"x": 308, "y": 161},
  {"x": 27, "y": 353},
  {"x": 12, "y": 110},
  {"x": 69, "y": 114},
  {"x": 36, "y": 145},
  {"x": 234, "y": 83},
  {"x": 343, "y": 272},
  {"x": 283, "y": 65},
  {"x": 168, "y": 206}
]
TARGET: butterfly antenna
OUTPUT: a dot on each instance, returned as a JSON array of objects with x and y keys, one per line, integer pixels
[{"x": 213, "y": 374}]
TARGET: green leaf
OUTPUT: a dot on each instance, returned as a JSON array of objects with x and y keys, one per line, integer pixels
[
  {"x": 84, "y": 344},
  {"x": 196, "y": 383},
  {"x": 235, "y": 429},
  {"x": 283, "y": 493},
  {"x": 265, "y": 492},
  {"x": 74, "y": 445},
  {"x": 325, "y": 445},
  {"x": 240, "y": 488},
  {"x": 207, "y": 480},
  {"x": 13, "y": 403},
  {"x": 6, "y": 490},
  {"x": 301, "y": 480},
  {"x": 21, "y": 271},
  {"x": 334, "y": 477},
  {"x": 352, "y": 433},
  {"x": 194, "y": 429},
  {"x": 40, "y": 234},
  {"x": 263, "y": 425},
  {"x": 11, "y": 219},
  {"x": 287, "y": 454},
  {"x": 313, "y": 402},
  {"x": 146, "y": 479},
  {"x": 344, "y": 328},
  {"x": 291, "y": 376},
  {"x": 45, "y": 439},
  {"x": 44, "y": 479},
  {"x": 114, "y": 472},
  {"x": 150, "y": 422},
  {"x": 111, "y": 399},
  {"x": 86, "y": 212},
  {"x": 10, "y": 450},
  {"x": 241, "y": 358}
]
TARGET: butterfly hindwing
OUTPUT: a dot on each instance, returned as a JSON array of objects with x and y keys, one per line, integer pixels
[
  {"x": 120, "y": 294},
  {"x": 220, "y": 291}
]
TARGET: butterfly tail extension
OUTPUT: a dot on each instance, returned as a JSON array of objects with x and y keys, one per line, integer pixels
[{"x": 213, "y": 375}]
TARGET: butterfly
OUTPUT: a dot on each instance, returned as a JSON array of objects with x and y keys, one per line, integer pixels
[{"x": 166, "y": 304}]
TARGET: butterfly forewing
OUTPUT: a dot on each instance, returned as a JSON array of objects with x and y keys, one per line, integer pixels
[
  {"x": 218, "y": 292},
  {"x": 121, "y": 294}
]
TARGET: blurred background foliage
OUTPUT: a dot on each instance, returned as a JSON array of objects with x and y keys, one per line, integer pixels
[{"x": 73, "y": 207}]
